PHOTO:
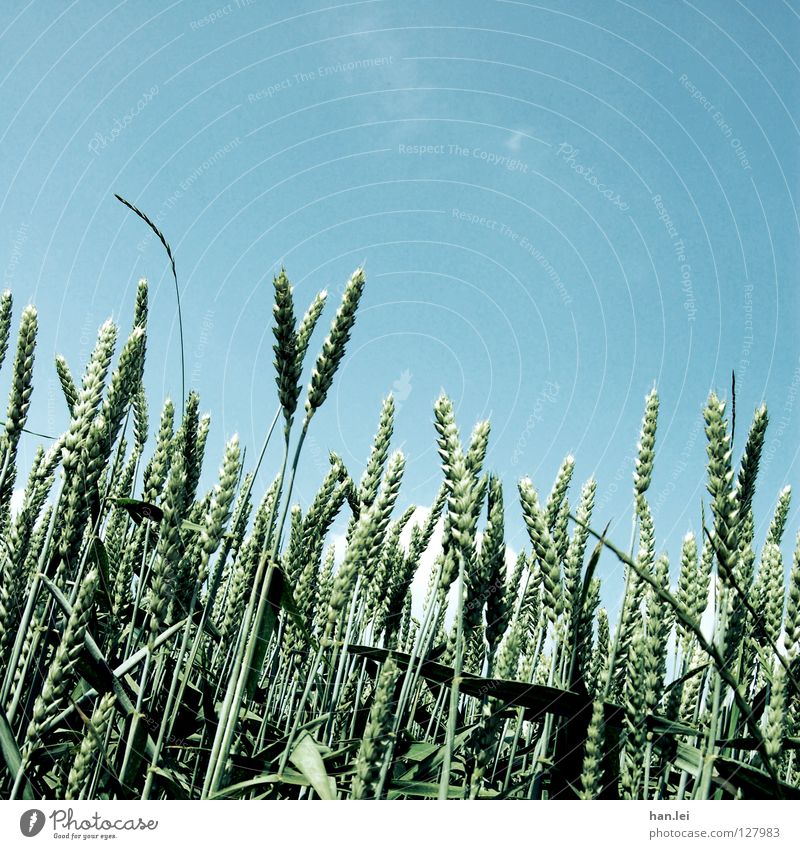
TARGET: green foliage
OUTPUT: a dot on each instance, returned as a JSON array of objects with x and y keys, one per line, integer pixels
[{"x": 265, "y": 667}]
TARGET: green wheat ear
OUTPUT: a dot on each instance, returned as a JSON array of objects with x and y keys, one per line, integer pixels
[
  {"x": 375, "y": 742},
  {"x": 6, "y": 303},
  {"x": 89, "y": 396},
  {"x": 646, "y": 447},
  {"x": 67, "y": 383},
  {"x": 559, "y": 491},
  {"x": 307, "y": 325},
  {"x": 543, "y": 548},
  {"x": 592, "y": 773},
  {"x": 140, "y": 310},
  {"x": 778, "y": 523},
  {"x": 368, "y": 486},
  {"x": 64, "y": 664},
  {"x": 89, "y": 748},
  {"x": 334, "y": 345},
  {"x": 155, "y": 473},
  {"x": 287, "y": 364},
  {"x": 791, "y": 640},
  {"x": 19, "y": 400},
  {"x": 493, "y": 565},
  {"x": 720, "y": 486},
  {"x": 751, "y": 456}
]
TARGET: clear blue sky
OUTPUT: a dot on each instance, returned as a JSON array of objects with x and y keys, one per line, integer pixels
[{"x": 558, "y": 205}]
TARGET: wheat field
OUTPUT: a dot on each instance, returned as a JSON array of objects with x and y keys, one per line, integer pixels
[{"x": 159, "y": 641}]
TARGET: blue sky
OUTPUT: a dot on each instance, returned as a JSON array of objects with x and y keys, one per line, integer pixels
[{"x": 558, "y": 205}]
